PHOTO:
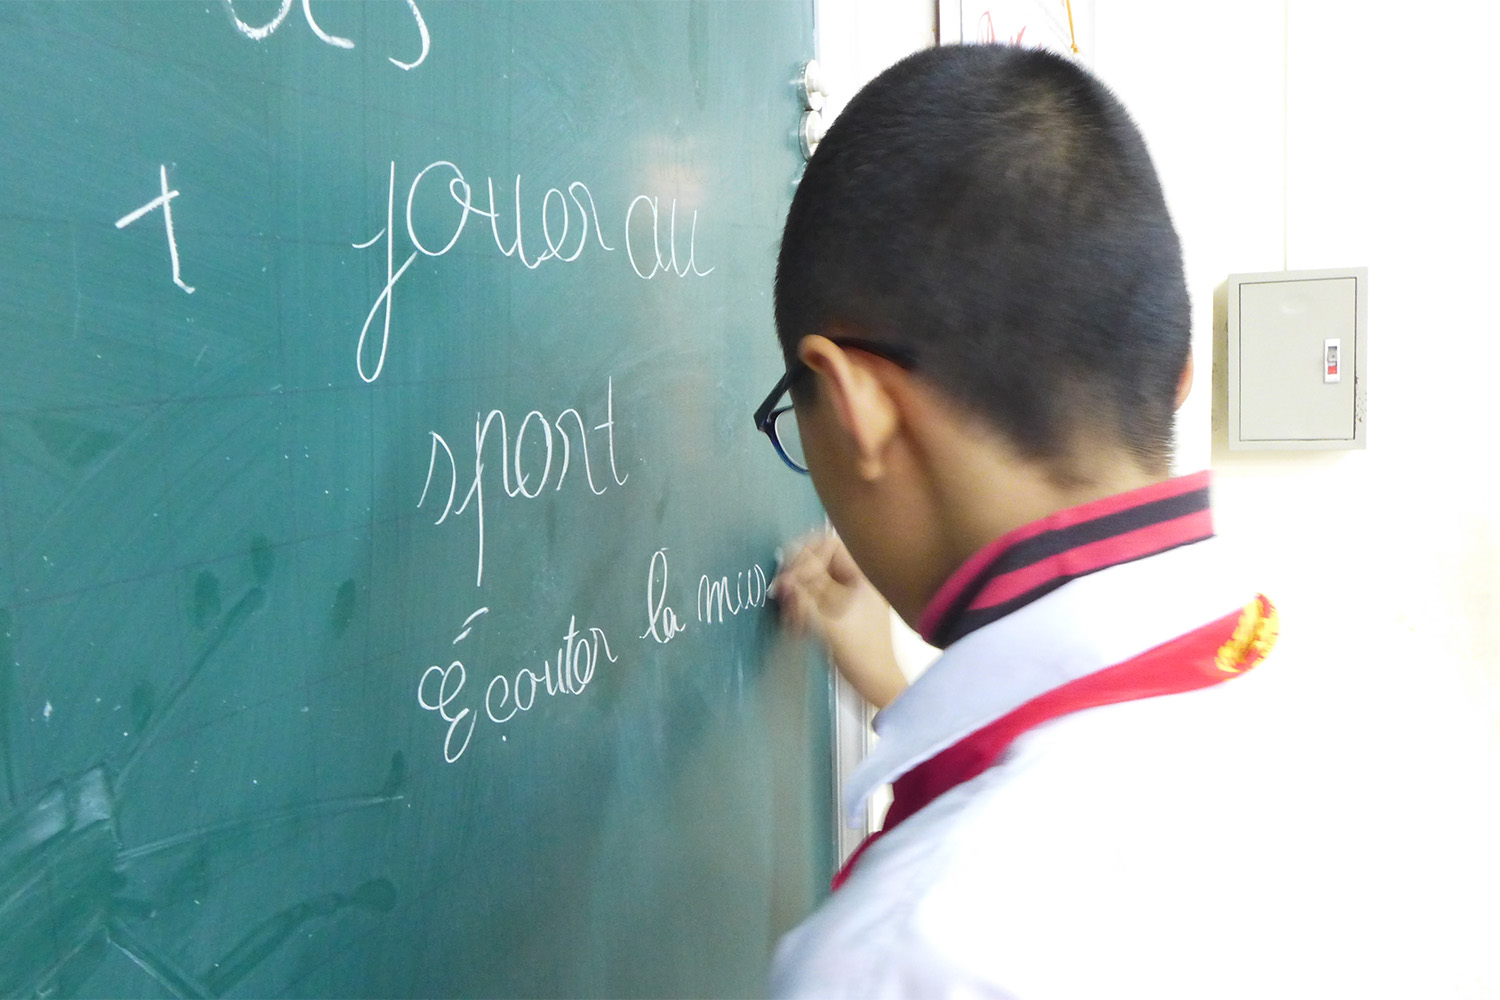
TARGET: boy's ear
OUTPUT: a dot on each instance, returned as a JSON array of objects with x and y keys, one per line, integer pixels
[
  {"x": 851, "y": 383},
  {"x": 1185, "y": 381}
]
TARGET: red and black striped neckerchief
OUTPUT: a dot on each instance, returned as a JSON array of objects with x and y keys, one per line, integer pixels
[
  {"x": 1028, "y": 564},
  {"x": 1031, "y": 562}
]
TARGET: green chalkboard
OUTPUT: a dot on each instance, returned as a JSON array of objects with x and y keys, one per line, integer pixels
[{"x": 383, "y": 534}]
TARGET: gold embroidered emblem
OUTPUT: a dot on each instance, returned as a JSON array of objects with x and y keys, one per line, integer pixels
[{"x": 1253, "y": 637}]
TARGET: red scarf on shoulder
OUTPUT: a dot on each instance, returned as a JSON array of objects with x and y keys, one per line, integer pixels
[{"x": 1030, "y": 563}]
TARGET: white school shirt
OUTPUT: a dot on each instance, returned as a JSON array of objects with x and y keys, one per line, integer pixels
[{"x": 1149, "y": 849}]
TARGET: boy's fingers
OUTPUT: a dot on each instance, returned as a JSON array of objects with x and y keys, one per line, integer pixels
[
  {"x": 790, "y": 611},
  {"x": 810, "y": 568},
  {"x": 804, "y": 565},
  {"x": 829, "y": 549},
  {"x": 799, "y": 610},
  {"x": 810, "y": 598},
  {"x": 841, "y": 566},
  {"x": 788, "y": 556},
  {"x": 814, "y": 579}
]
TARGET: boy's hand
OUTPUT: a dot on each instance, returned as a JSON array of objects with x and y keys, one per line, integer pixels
[{"x": 822, "y": 593}]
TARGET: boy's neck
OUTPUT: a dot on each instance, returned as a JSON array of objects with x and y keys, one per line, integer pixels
[
  {"x": 979, "y": 494},
  {"x": 984, "y": 502}
]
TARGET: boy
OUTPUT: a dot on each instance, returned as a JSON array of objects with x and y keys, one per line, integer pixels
[{"x": 981, "y": 303}]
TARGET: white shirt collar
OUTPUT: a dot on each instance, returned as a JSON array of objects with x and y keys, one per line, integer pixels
[{"x": 1084, "y": 626}]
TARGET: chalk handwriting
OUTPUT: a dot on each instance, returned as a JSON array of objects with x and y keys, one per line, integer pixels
[
  {"x": 535, "y": 448},
  {"x": 259, "y": 33},
  {"x": 659, "y": 263},
  {"x": 569, "y": 672},
  {"x": 715, "y": 596},
  {"x": 445, "y": 694},
  {"x": 664, "y": 623},
  {"x": 718, "y": 598},
  {"x": 561, "y": 225},
  {"x": 469, "y": 625},
  {"x": 383, "y": 301},
  {"x": 162, "y": 201}
]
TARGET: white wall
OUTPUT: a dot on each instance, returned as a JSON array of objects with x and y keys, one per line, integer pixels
[
  {"x": 1332, "y": 133},
  {"x": 856, "y": 39}
]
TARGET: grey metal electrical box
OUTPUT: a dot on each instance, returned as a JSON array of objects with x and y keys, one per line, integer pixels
[{"x": 1297, "y": 359}]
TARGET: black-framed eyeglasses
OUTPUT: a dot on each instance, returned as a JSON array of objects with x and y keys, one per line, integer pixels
[{"x": 779, "y": 423}]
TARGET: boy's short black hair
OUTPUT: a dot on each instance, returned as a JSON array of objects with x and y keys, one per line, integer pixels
[{"x": 994, "y": 209}]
